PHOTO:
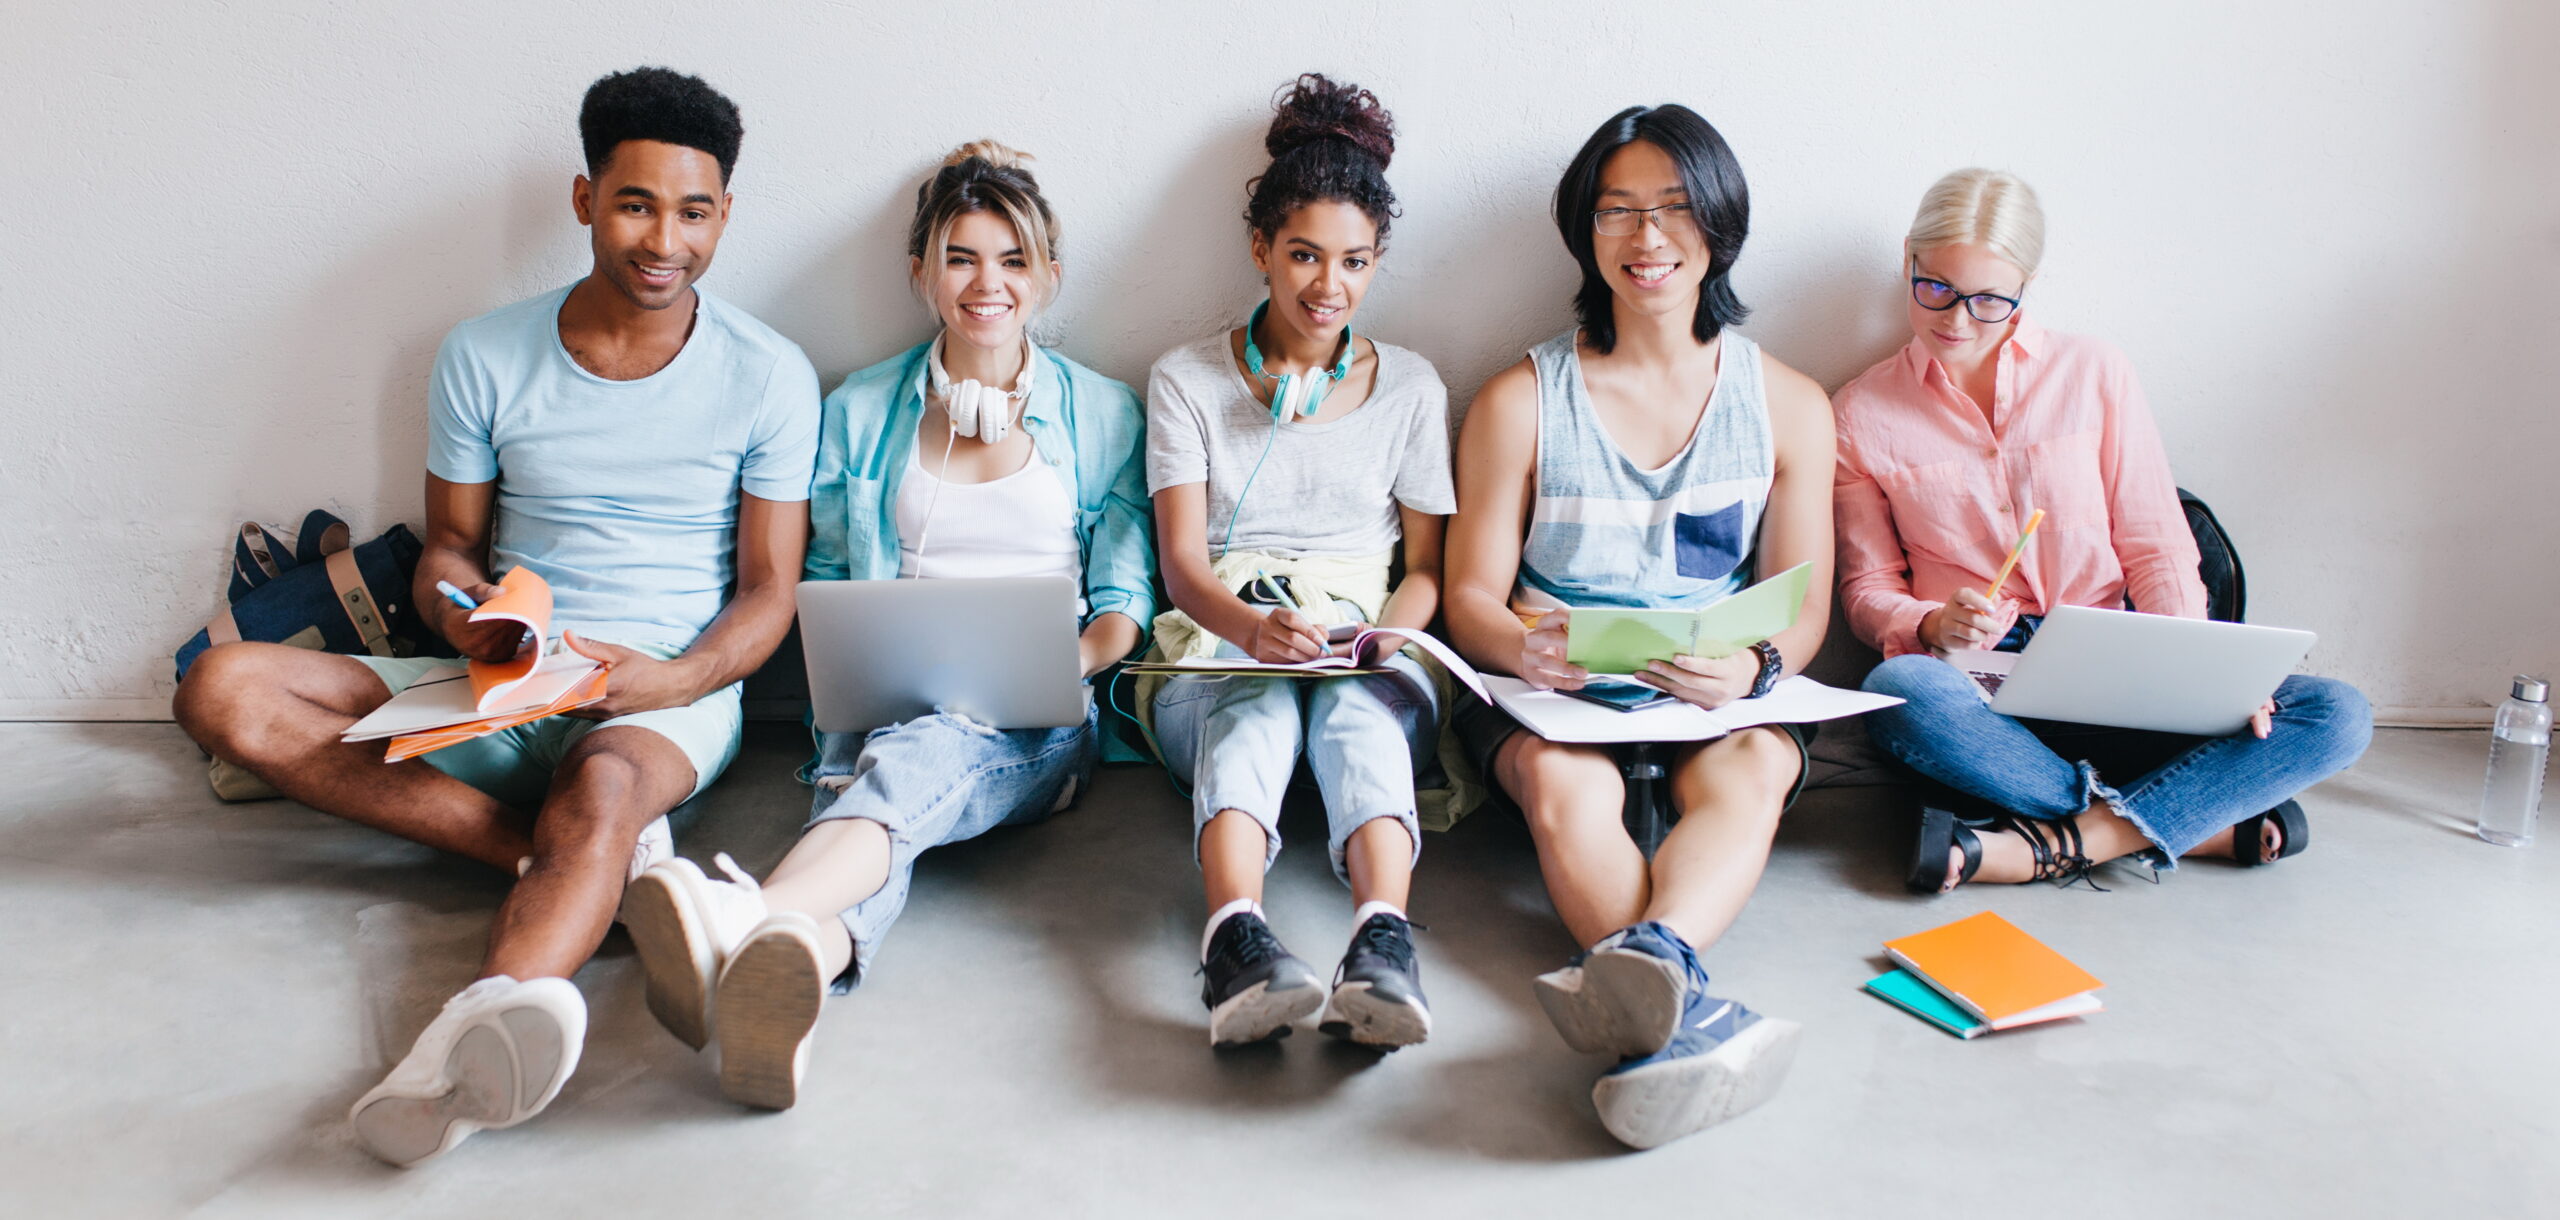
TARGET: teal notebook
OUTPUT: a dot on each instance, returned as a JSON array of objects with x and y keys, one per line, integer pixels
[
  {"x": 1905, "y": 991},
  {"x": 1908, "y": 992}
]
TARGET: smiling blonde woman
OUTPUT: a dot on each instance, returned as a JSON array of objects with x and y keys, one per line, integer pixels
[{"x": 1946, "y": 448}]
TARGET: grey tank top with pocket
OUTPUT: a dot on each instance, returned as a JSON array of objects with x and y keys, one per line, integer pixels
[{"x": 1606, "y": 532}]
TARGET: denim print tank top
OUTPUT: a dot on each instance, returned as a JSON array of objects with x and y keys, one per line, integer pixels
[{"x": 1605, "y": 532}]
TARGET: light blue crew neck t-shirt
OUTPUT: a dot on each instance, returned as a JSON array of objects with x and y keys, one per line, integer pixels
[{"x": 623, "y": 494}]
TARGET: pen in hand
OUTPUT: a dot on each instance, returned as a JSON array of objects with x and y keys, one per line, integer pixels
[{"x": 455, "y": 595}]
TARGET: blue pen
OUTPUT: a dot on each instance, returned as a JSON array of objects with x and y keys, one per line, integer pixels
[{"x": 456, "y": 596}]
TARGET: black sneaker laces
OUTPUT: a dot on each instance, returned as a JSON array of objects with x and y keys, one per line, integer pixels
[
  {"x": 1238, "y": 948},
  {"x": 1387, "y": 937}
]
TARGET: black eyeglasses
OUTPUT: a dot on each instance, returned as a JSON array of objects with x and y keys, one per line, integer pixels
[
  {"x": 1670, "y": 218},
  {"x": 1939, "y": 296}
]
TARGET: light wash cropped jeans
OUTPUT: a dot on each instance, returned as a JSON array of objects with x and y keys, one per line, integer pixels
[
  {"x": 940, "y": 779},
  {"x": 2176, "y": 789},
  {"x": 1237, "y": 740}
]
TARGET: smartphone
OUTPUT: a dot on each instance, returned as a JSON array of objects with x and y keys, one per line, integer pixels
[{"x": 1623, "y": 696}]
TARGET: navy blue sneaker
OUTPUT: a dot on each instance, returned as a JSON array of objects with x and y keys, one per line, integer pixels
[
  {"x": 1254, "y": 987},
  {"x": 1377, "y": 991},
  {"x": 1723, "y": 1060},
  {"x": 1624, "y": 996}
]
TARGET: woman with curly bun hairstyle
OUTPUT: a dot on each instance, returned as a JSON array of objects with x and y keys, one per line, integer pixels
[
  {"x": 975, "y": 455},
  {"x": 1289, "y": 457}
]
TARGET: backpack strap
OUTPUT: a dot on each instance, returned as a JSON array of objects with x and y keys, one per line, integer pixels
[
  {"x": 257, "y": 557},
  {"x": 322, "y": 535},
  {"x": 358, "y": 603}
]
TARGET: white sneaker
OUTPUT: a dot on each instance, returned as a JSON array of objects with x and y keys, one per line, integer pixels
[
  {"x": 770, "y": 993},
  {"x": 494, "y": 1057},
  {"x": 656, "y": 845},
  {"x": 684, "y": 924}
]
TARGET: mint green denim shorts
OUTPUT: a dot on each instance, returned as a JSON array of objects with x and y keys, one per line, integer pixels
[{"x": 515, "y": 765}]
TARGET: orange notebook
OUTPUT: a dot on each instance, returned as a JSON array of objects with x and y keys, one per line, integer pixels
[
  {"x": 457, "y": 704},
  {"x": 1991, "y": 969}
]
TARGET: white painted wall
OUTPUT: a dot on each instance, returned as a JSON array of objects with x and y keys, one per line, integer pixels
[{"x": 2326, "y": 232}]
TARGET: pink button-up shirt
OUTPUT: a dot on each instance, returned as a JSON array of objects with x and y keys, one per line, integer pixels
[{"x": 1930, "y": 493}]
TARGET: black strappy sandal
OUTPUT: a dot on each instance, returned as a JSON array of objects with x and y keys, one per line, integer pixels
[
  {"x": 2290, "y": 821},
  {"x": 2058, "y": 859}
]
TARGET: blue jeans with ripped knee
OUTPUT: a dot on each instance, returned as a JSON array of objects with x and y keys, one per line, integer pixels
[
  {"x": 940, "y": 779},
  {"x": 2176, "y": 789}
]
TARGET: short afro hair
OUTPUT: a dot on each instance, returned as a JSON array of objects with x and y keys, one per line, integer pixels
[{"x": 658, "y": 104}]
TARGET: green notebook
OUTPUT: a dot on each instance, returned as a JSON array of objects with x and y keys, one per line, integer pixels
[
  {"x": 1608, "y": 641},
  {"x": 1905, "y": 991}
]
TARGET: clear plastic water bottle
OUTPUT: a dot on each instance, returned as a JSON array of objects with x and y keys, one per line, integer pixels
[{"x": 2519, "y": 746}]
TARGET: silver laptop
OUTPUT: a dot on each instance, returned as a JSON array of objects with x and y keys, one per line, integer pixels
[
  {"x": 1000, "y": 651},
  {"x": 2139, "y": 671}
]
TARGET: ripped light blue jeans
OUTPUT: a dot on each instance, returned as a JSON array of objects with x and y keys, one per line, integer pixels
[
  {"x": 940, "y": 779},
  {"x": 2177, "y": 790},
  {"x": 1237, "y": 740}
]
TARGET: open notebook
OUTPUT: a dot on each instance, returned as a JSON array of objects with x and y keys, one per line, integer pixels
[
  {"x": 457, "y": 703},
  {"x": 1362, "y": 653}
]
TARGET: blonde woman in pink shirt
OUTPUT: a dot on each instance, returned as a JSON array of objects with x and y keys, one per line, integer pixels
[{"x": 1946, "y": 448}]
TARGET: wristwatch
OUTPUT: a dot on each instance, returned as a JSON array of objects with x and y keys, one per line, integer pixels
[{"x": 1770, "y": 664}]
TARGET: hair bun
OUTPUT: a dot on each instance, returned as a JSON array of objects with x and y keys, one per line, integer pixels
[
  {"x": 1316, "y": 107},
  {"x": 997, "y": 156}
]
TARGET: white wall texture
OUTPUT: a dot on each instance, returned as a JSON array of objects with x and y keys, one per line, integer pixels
[{"x": 2326, "y": 232}]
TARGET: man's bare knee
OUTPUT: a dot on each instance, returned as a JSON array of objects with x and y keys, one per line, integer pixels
[
  {"x": 620, "y": 781},
  {"x": 1754, "y": 770},
  {"x": 1558, "y": 786}
]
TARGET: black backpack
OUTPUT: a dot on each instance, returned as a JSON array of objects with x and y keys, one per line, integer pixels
[{"x": 2226, "y": 584}]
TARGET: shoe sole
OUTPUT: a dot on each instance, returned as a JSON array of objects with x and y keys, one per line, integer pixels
[
  {"x": 676, "y": 960},
  {"x": 1622, "y": 1003},
  {"x": 770, "y": 995},
  {"x": 1358, "y": 1013},
  {"x": 1651, "y": 1106},
  {"x": 1260, "y": 1013},
  {"x": 500, "y": 1072}
]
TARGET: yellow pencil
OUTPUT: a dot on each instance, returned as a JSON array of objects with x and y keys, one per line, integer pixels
[{"x": 2010, "y": 564}]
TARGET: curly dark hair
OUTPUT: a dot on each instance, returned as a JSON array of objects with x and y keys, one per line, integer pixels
[
  {"x": 1329, "y": 140},
  {"x": 658, "y": 104},
  {"x": 1718, "y": 197}
]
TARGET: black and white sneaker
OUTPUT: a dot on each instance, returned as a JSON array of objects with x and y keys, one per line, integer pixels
[
  {"x": 1377, "y": 991},
  {"x": 1254, "y": 988}
]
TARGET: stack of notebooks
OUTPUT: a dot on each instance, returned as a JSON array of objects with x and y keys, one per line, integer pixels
[
  {"x": 1981, "y": 974},
  {"x": 459, "y": 703}
]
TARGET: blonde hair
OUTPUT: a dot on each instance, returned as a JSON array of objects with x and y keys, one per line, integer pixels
[
  {"x": 1986, "y": 207},
  {"x": 985, "y": 176}
]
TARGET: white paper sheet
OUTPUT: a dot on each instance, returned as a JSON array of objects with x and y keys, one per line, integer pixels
[{"x": 1556, "y": 717}]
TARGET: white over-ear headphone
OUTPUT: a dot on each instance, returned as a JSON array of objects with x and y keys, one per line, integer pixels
[{"x": 982, "y": 411}]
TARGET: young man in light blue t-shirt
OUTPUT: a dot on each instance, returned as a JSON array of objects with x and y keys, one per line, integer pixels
[{"x": 647, "y": 448}]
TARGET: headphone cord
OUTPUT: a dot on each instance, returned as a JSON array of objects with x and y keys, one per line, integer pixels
[
  {"x": 924, "y": 533},
  {"x": 1238, "y": 510}
]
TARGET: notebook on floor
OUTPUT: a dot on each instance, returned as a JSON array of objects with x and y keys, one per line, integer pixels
[
  {"x": 1995, "y": 973},
  {"x": 1905, "y": 991}
]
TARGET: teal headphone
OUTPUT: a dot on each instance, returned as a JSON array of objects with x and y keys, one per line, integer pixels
[{"x": 1306, "y": 390}]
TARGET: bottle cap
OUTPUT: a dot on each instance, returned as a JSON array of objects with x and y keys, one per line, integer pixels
[{"x": 2532, "y": 689}]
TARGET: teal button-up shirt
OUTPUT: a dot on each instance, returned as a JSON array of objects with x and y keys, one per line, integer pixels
[{"x": 1088, "y": 426}]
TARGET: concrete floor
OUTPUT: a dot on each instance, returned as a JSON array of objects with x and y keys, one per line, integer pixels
[{"x": 191, "y": 994}]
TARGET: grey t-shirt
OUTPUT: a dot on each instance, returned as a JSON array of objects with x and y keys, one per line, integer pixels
[{"x": 1328, "y": 489}]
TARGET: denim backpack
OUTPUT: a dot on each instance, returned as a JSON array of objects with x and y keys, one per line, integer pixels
[{"x": 309, "y": 588}]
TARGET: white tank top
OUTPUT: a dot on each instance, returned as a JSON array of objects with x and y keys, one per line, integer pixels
[{"x": 1023, "y": 524}]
